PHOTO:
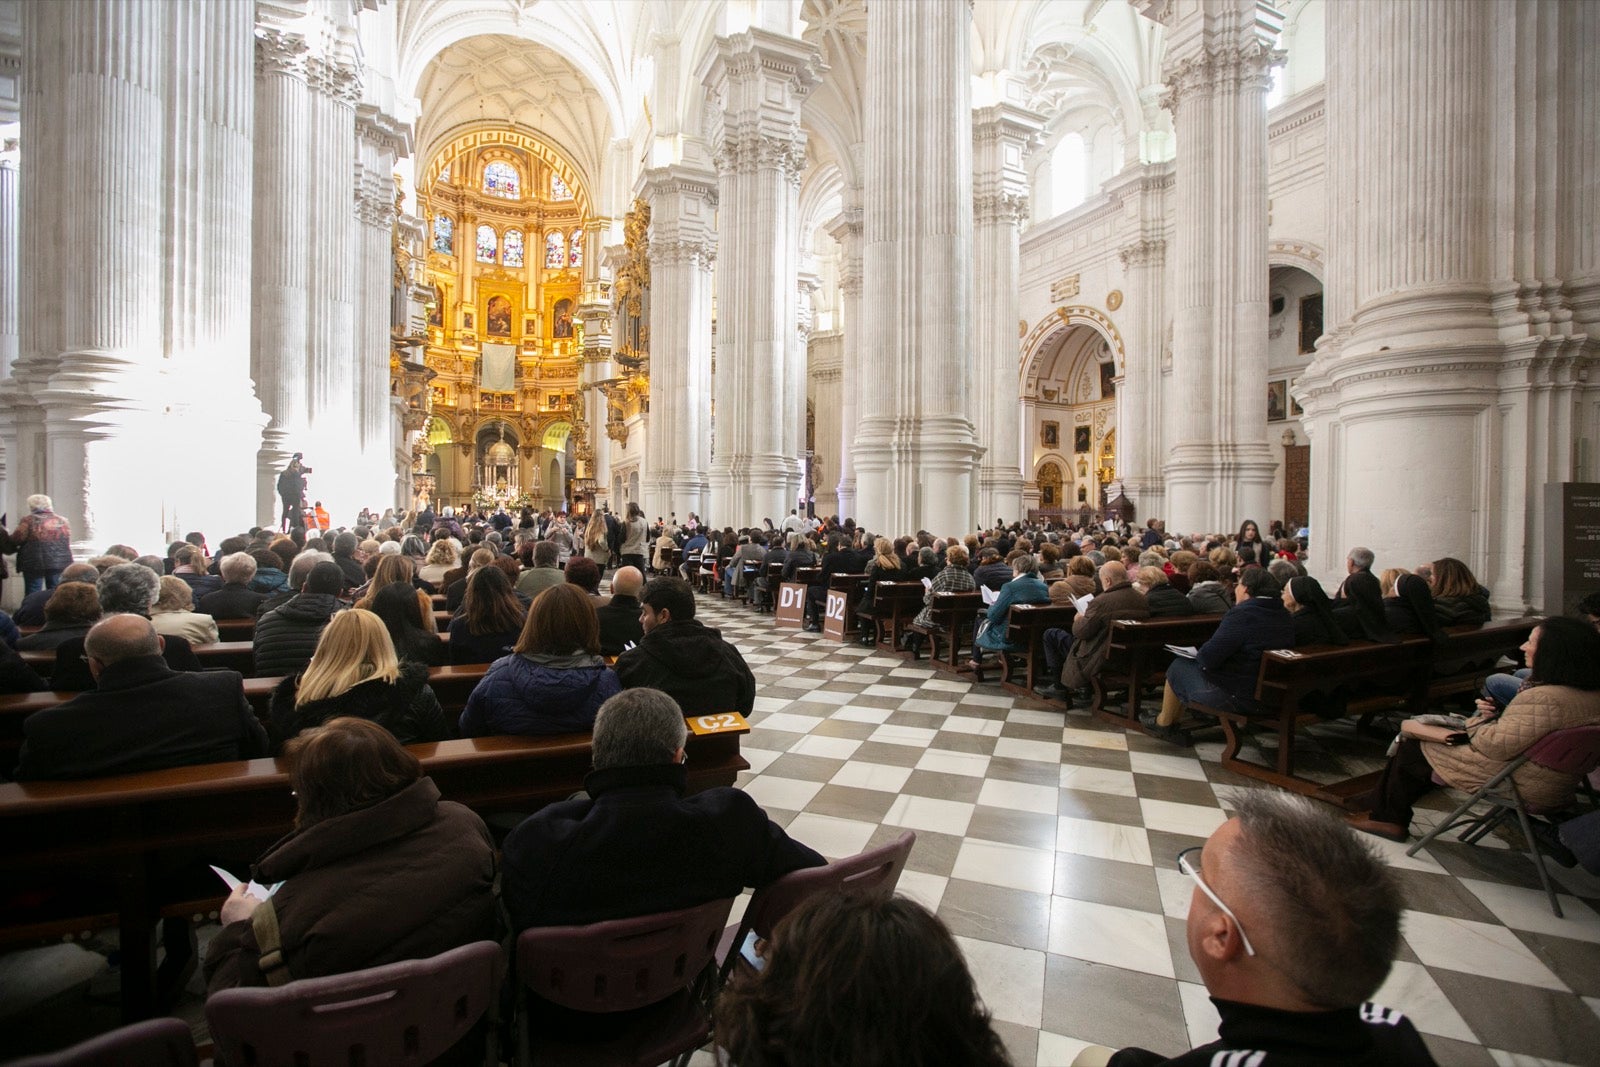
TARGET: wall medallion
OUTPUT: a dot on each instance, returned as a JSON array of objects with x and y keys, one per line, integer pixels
[{"x": 1114, "y": 300}]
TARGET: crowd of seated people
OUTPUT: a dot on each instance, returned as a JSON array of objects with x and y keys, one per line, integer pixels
[{"x": 351, "y": 632}]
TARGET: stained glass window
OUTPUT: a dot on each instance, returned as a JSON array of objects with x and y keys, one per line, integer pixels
[
  {"x": 558, "y": 188},
  {"x": 501, "y": 179},
  {"x": 512, "y": 256},
  {"x": 444, "y": 234},
  {"x": 575, "y": 258},
  {"x": 488, "y": 244},
  {"x": 555, "y": 250}
]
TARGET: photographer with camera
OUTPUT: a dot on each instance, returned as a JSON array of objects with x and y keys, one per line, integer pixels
[{"x": 292, "y": 488}]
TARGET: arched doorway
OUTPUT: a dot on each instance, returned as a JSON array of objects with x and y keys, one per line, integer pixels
[
  {"x": 1069, "y": 403},
  {"x": 1294, "y": 322}
]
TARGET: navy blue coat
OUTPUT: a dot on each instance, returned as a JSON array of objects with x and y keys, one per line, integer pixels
[
  {"x": 520, "y": 695},
  {"x": 1232, "y": 658}
]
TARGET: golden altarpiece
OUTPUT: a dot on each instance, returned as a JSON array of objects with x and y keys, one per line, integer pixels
[{"x": 504, "y": 218}]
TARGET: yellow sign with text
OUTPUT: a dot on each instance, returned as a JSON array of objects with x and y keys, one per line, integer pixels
[{"x": 721, "y": 723}]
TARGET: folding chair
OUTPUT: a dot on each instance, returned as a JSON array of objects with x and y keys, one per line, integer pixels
[
  {"x": 648, "y": 972},
  {"x": 152, "y": 1043},
  {"x": 1574, "y": 751},
  {"x": 876, "y": 870},
  {"x": 410, "y": 1012}
]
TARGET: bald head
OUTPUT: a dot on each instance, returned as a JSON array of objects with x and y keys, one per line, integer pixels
[
  {"x": 627, "y": 582},
  {"x": 121, "y": 637},
  {"x": 1112, "y": 573}
]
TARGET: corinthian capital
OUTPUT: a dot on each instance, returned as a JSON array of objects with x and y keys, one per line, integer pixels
[
  {"x": 1241, "y": 68},
  {"x": 1009, "y": 208},
  {"x": 278, "y": 52},
  {"x": 1147, "y": 252}
]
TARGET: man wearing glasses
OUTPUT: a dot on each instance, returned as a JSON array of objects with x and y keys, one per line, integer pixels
[{"x": 1293, "y": 924}]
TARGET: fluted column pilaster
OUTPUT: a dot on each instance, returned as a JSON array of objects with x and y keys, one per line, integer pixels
[
  {"x": 10, "y": 192},
  {"x": 1139, "y": 407},
  {"x": 916, "y": 452},
  {"x": 1002, "y": 135},
  {"x": 758, "y": 80},
  {"x": 280, "y": 254},
  {"x": 210, "y": 125},
  {"x": 381, "y": 138},
  {"x": 847, "y": 229},
  {"x": 683, "y": 253},
  {"x": 98, "y": 373},
  {"x": 1219, "y": 58}
]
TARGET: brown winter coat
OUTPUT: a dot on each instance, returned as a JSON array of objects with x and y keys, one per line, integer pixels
[
  {"x": 408, "y": 878},
  {"x": 1534, "y": 713},
  {"x": 1091, "y": 632},
  {"x": 1072, "y": 585}
]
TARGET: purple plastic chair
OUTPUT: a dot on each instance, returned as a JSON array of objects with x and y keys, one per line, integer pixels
[
  {"x": 404, "y": 1013},
  {"x": 152, "y": 1043},
  {"x": 874, "y": 871},
  {"x": 645, "y": 972},
  {"x": 1574, "y": 751}
]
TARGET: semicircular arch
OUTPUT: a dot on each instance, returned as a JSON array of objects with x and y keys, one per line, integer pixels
[
  {"x": 1293, "y": 252},
  {"x": 452, "y": 143},
  {"x": 1041, "y": 341}
]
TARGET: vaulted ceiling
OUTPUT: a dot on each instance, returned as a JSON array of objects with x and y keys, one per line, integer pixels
[{"x": 497, "y": 80}]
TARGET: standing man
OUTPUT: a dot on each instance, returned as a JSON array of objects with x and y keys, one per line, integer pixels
[{"x": 292, "y": 489}]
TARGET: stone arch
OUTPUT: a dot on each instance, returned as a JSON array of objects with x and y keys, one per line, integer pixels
[
  {"x": 1039, "y": 340},
  {"x": 1293, "y": 252}
]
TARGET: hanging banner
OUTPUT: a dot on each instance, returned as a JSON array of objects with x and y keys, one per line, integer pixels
[{"x": 499, "y": 368}]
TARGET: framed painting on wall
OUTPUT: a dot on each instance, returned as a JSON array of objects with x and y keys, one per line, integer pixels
[
  {"x": 1277, "y": 400},
  {"x": 1080, "y": 439},
  {"x": 1050, "y": 434},
  {"x": 498, "y": 318}
]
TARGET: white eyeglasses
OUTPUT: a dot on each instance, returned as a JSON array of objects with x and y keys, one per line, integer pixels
[{"x": 1194, "y": 872}]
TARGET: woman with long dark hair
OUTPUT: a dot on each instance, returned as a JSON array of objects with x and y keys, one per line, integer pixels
[
  {"x": 859, "y": 980},
  {"x": 489, "y": 621},
  {"x": 1562, "y": 691},
  {"x": 412, "y": 632}
]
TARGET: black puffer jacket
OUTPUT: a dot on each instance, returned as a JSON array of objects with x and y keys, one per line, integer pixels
[
  {"x": 694, "y": 665},
  {"x": 1469, "y": 610},
  {"x": 1165, "y": 600},
  {"x": 286, "y": 636},
  {"x": 405, "y": 707}
]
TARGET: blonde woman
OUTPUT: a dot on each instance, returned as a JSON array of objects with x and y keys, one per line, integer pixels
[
  {"x": 594, "y": 541},
  {"x": 1387, "y": 579},
  {"x": 173, "y": 614},
  {"x": 355, "y": 672},
  {"x": 442, "y": 557}
]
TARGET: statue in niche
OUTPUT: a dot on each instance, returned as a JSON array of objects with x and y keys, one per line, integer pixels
[{"x": 499, "y": 318}]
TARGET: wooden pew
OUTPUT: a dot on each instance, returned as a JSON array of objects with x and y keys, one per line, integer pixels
[
  {"x": 839, "y": 606},
  {"x": 1025, "y": 625},
  {"x": 1410, "y": 674},
  {"x": 954, "y": 617},
  {"x": 97, "y": 846},
  {"x": 452, "y": 684},
  {"x": 897, "y": 604},
  {"x": 1137, "y": 660}
]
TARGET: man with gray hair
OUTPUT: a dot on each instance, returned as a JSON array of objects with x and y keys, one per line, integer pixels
[
  {"x": 235, "y": 600},
  {"x": 1293, "y": 924},
  {"x": 1359, "y": 559},
  {"x": 636, "y": 844},
  {"x": 142, "y": 716},
  {"x": 126, "y": 589}
]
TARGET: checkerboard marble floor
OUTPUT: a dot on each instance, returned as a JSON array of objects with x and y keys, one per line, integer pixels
[{"x": 1046, "y": 842}]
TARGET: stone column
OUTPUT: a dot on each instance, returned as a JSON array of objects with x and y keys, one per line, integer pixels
[
  {"x": 1141, "y": 410},
  {"x": 1002, "y": 135},
  {"x": 1219, "y": 56},
  {"x": 683, "y": 251},
  {"x": 594, "y": 312},
  {"x": 1449, "y": 386},
  {"x": 101, "y": 358},
  {"x": 209, "y": 398},
  {"x": 381, "y": 138},
  {"x": 916, "y": 453},
  {"x": 9, "y": 338},
  {"x": 847, "y": 230},
  {"x": 280, "y": 255},
  {"x": 334, "y": 446},
  {"x": 758, "y": 80}
]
